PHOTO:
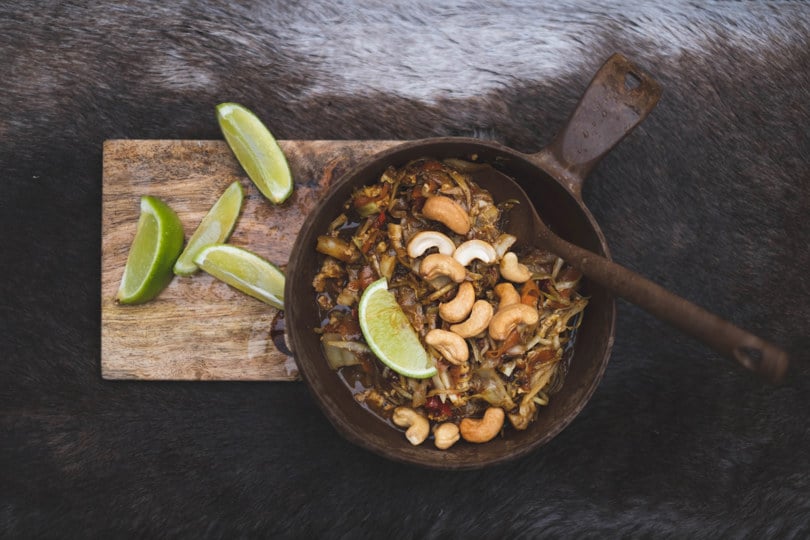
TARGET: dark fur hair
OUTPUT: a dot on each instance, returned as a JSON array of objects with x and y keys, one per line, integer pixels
[{"x": 710, "y": 197}]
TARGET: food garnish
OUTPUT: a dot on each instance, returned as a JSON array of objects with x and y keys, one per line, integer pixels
[
  {"x": 390, "y": 335},
  {"x": 155, "y": 247},
  {"x": 245, "y": 271},
  {"x": 214, "y": 228},
  {"x": 257, "y": 151}
]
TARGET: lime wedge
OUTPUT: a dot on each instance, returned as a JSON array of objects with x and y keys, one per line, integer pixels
[
  {"x": 214, "y": 228},
  {"x": 245, "y": 271},
  {"x": 157, "y": 243},
  {"x": 390, "y": 335},
  {"x": 256, "y": 150}
]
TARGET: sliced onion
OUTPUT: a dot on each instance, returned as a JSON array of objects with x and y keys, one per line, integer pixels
[
  {"x": 341, "y": 353},
  {"x": 503, "y": 243},
  {"x": 337, "y": 248},
  {"x": 490, "y": 387}
]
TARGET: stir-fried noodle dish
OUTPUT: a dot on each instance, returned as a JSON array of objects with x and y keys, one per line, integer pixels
[{"x": 495, "y": 322}]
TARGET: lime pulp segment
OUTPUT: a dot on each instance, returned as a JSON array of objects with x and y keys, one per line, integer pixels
[
  {"x": 245, "y": 271},
  {"x": 256, "y": 150},
  {"x": 154, "y": 249},
  {"x": 390, "y": 335},
  {"x": 214, "y": 228}
]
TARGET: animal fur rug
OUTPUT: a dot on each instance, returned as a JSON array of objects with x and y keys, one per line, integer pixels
[{"x": 709, "y": 197}]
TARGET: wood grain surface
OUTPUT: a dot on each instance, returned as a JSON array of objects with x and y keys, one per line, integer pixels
[{"x": 199, "y": 328}]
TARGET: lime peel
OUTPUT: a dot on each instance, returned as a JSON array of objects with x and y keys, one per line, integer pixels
[
  {"x": 155, "y": 247},
  {"x": 390, "y": 335}
]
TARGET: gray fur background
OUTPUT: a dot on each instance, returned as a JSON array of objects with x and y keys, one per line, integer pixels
[{"x": 710, "y": 197}]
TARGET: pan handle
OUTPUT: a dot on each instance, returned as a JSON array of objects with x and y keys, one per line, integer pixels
[
  {"x": 618, "y": 98},
  {"x": 753, "y": 352}
]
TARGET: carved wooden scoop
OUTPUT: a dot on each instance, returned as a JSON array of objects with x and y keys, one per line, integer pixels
[{"x": 754, "y": 353}]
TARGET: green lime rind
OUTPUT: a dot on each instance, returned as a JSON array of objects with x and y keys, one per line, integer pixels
[
  {"x": 157, "y": 244},
  {"x": 390, "y": 335},
  {"x": 256, "y": 150},
  {"x": 245, "y": 271},
  {"x": 215, "y": 228}
]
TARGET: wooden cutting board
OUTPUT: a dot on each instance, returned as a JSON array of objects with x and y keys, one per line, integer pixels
[{"x": 199, "y": 328}]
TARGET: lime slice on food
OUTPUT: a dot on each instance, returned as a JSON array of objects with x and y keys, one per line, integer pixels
[
  {"x": 390, "y": 335},
  {"x": 214, "y": 228},
  {"x": 245, "y": 271},
  {"x": 256, "y": 150},
  {"x": 157, "y": 243}
]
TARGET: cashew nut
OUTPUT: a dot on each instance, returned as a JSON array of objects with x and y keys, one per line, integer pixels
[
  {"x": 477, "y": 322},
  {"x": 449, "y": 344},
  {"x": 457, "y": 309},
  {"x": 485, "y": 429},
  {"x": 445, "y": 435},
  {"x": 475, "y": 249},
  {"x": 507, "y": 319},
  {"x": 512, "y": 270},
  {"x": 507, "y": 294},
  {"x": 446, "y": 210},
  {"x": 423, "y": 241},
  {"x": 438, "y": 264},
  {"x": 418, "y": 426}
]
